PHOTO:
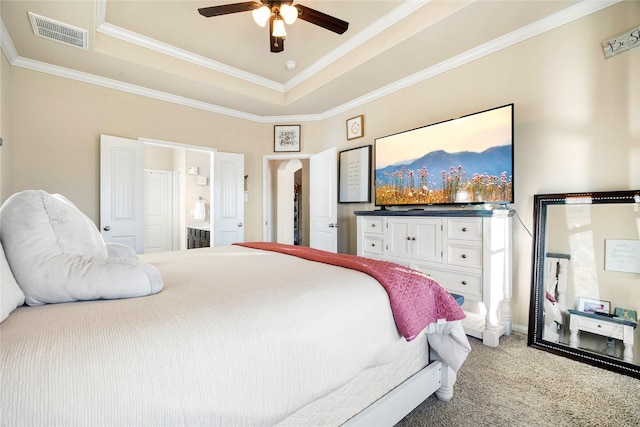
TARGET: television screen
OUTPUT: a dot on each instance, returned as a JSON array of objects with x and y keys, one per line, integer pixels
[{"x": 466, "y": 160}]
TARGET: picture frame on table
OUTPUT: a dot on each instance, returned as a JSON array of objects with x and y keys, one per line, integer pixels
[
  {"x": 589, "y": 305},
  {"x": 354, "y": 175},
  {"x": 286, "y": 138},
  {"x": 625, "y": 313},
  {"x": 355, "y": 127}
]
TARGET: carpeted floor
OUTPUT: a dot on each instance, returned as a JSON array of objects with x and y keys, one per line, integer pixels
[{"x": 515, "y": 385}]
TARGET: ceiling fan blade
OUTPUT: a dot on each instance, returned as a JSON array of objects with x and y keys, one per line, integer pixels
[
  {"x": 225, "y": 9},
  {"x": 276, "y": 44},
  {"x": 321, "y": 19}
]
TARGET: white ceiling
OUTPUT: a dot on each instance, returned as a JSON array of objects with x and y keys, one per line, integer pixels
[{"x": 167, "y": 50}]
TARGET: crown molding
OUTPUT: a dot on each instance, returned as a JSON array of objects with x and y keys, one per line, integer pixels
[
  {"x": 565, "y": 16},
  {"x": 184, "y": 55},
  {"x": 375, "y": 28},
  {"x": 7, "y": 44},
  {"x": 398, "y": 13}
]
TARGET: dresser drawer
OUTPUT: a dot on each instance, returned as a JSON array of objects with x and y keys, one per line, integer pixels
[
  {"x": 372, "y": 244},
  {"x": 469, "y": 229},
  {"x": 468, "y": 284},
  {"x": 464, "y": 256},
  {"x": 372, "y": 225}
]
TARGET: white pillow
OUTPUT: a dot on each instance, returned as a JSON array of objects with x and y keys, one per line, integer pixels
[
  {"x": 11, "y": 296},
  {"x": 57, "y": 254}
]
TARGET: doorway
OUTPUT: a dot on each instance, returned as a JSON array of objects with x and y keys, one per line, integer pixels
[
  {"x": 319, "y": 187},
  {"x": 122, "y": 193}
]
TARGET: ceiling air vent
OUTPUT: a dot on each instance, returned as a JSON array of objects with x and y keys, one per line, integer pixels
[{"x": 58, "y": 31}]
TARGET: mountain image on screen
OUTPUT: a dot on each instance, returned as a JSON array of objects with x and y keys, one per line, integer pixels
[{"x": 443, "y": 177}]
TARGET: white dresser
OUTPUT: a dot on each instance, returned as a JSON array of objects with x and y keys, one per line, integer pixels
[{"x": 467, "y": 251}]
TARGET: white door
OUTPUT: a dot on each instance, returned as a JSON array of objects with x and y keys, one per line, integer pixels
[
  {"x": 228, "y": 198},
  {"x": 323, "y": 176},
  {"x": 122, "y": 191},
  {"x": 158, "y": 211}
]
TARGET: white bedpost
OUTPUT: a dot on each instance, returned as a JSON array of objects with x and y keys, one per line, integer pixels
[{"x": 445, "y": 392}]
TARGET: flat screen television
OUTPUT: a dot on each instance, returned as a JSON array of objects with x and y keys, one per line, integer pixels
[{"x": 467, "y": 160}]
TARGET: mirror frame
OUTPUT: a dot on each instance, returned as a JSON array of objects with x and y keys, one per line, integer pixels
[{"x": 536, "y": 320}]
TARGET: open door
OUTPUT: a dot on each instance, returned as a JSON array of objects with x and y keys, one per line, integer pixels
[
  {"x": 323, "y": 200},
  {"x": 122, "y": 191},
  {"x": 228, "y": 205}
]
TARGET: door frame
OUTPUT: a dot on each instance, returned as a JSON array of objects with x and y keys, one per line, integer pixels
[
  {"x": 180, "y": 221},
  {"x": 267, "y": 220}
]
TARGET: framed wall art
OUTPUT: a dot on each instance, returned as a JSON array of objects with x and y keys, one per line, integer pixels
[
  {"x": 286, "y": 138},
  {"x": 355, "y": 127},
  {"x": 354, "y": 175}
]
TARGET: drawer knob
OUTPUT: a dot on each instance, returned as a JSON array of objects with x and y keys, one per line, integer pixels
[
  {"x": 408, "y": 238},
  {"x": 373, "y": 226},
  {"x": 464, "y": 229},
  {"x": 464, "y": 282},
  {"x": 463, "y": 256},
  {"x": 373, "y": 245},
  {"x": 413, "y": 238},
  {"x": 599, "y": 326}
]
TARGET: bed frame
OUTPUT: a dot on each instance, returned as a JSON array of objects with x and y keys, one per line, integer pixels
[{"x": 436, "y": 378}]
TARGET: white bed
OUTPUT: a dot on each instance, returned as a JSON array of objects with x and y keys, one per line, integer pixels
[
  {"x": 238, "y": 336},
  {"x": 229, "y": 336}
]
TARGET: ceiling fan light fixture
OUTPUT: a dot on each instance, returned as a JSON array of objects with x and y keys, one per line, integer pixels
[
  {"x": 278, "y": 28},
  {"x": 261, "y": 15},
  {"x": 289, "y": 13}
]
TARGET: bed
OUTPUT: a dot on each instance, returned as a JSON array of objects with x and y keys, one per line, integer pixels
[{"x": 237, "y": 335}]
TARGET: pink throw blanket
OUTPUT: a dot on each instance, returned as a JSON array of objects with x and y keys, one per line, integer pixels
[{"x": 416, "y": 299}]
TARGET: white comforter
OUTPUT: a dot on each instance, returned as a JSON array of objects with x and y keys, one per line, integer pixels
[{"x": 237, "y": 337}]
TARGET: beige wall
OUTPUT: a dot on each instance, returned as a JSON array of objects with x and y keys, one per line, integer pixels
[{"x": 577, "y": 126}]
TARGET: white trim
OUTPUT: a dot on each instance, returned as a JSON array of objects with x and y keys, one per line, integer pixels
[
  {"x": 6, "y": 44},
  {"x": 171, "y": 144},
  {"x": 391, "y": 18},
  {"x": 565, "y": 16},
  {"x": 184, "y": 55},
  {"x": 397, "y": 14}
]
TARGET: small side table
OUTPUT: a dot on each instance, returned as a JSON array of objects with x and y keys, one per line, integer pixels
[{"x": 611, "y": 327}]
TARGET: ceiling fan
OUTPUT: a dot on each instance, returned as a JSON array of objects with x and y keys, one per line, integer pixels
[{"x": 278, "y": 12}]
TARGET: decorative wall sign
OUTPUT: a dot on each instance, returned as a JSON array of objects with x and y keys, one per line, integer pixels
[
  {"x": 354, "y": 178},
  {"x": 621, "y": 43},
  {"x": 355, "y": 127},
  {"x": 286, "y": 138}
]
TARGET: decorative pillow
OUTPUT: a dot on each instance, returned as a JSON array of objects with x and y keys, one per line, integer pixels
[
  {"x": 57, "y": 254},
  {"x": 11, "y": 296}
]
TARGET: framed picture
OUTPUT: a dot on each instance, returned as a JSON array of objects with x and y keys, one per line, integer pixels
[
  {"x": 589, "y": 305},
  {"x": 626, "y": 314},
  {"x": 355, "y": 127},
  {"x": 354, "y": 175},
  {"x": 286, "y": 138}
]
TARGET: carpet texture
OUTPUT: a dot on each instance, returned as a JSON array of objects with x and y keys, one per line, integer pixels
[{"x": 515, "y": 385}]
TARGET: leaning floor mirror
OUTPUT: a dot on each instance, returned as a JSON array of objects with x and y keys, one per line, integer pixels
[{"x": 585, "y": 295}]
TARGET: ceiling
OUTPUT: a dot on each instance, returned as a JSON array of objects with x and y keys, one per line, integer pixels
[{"x": 167, "y": 50}]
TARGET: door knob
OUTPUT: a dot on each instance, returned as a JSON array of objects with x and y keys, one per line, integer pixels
[
  {"x": 239, "y": 224},
  {"x": 106, "y": 228}
]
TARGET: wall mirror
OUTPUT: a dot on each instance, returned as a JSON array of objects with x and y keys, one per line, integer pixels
[{"x": 585, "y": 293}]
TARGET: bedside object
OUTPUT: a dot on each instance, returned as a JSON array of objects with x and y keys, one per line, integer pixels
[{"x": 610, "y": 327}]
